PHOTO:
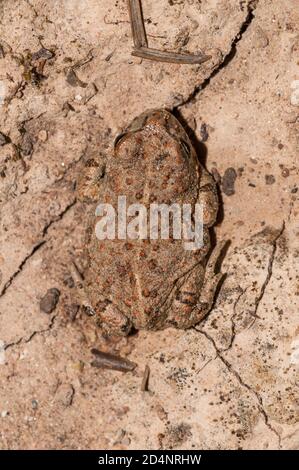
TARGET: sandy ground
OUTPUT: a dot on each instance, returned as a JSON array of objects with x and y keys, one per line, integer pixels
[{"x": 229, "y": 383}]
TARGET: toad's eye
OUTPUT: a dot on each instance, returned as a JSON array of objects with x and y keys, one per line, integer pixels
[{"x": 186, "y": 147}]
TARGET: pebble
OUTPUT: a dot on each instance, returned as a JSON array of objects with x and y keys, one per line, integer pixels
[
  {"x": 204, "y": 133},
  {"x": 34, "y": 404},
  {"x": 49, "y": 301},
  {"x": 261, "y": 39},
  {"x": 26, "y": 145},
  {"x": 65, "y": 394},
  {"x": 285, "y": 172},
  {"x": 270, "y": 179},
  {"x": 72, "y": 311},
  {"x": 228, "y": 181},
  {"x": 43, "y": 135}
]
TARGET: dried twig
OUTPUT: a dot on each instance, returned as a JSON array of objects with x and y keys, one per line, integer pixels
[
  {"x": 172, "y": 57},
  {"x": 144, "y": 383},
  {"x": 141, "y": 48},
  {"x": 111, "y": 361},
  {"x": 137, "y": 24}
]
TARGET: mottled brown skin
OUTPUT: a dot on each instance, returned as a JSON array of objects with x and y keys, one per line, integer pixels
[{"x": 150, "y": 284}]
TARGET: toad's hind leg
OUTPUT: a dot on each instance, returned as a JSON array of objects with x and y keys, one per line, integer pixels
[
  {"x": 195, "y": 296},
  {"x": 210, "y": 285}
]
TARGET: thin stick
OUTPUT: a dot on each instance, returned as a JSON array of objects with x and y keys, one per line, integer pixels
[
  {"x": 105, "y": 360},
  {"x": 137, "y": 24},
  {"x": 141, "y": 48},
  {"x": 171, "y": 57},
  {"x": 78, "y": 280},
  {"x": 144, "y": 383}
]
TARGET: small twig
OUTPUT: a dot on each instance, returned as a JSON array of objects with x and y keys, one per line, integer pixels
[
  {"x": 144, "y": 383},
  {"x": 111, "y": 361},
  {"x": 137, "y": 24},
  {"x": 141, "y": 48},
  {"x": 79, "y": 283},
  {"x": 171, "y": 57}
]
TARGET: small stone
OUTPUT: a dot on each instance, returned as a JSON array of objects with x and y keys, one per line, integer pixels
[
  {"x": 72, "y": 311},
  {"x": 270, "y": 179},
  {"x": 126, "y": 441},
  {"x": 68, "y": 281},
  {"x": 78, "y": 366},
  {"x": 228, "y": 181},
  {"x": 204, "y": 132},
  {"x": 73, "y": 80},
  {"x": 4, "y": 413},
  {"x": 44, "y": 54},
  {"x": 4, "y": 139},
  {"x": 49, "y": 301},
  {"x": 43, "y": 135},
  {"x": 65, "y": 394},
  {"x": 295, "y": 98},
  {"x": 34, "y": 404},
  {"x": 26, "y": 145},
  {"x": 261, "y": 38}
]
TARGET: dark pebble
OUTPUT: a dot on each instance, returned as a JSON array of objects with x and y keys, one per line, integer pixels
[
  {"x": 49, "y": 301},
  {"x": 34, "y": 404},
  {"x": 42, "y": 54},
  {"x": 269, "y": 179},
  {"x": 69, "y": 281},
  {"x": 204, "y": 132},
  {"x": 26, "y": 146},
  {"x": 228, "y": 181},
  {"x": 72, "y": 311},
  {"x": 73, "y": 80}
]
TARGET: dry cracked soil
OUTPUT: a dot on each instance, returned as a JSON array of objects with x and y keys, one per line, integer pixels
[{"x": 68, "y": 85}]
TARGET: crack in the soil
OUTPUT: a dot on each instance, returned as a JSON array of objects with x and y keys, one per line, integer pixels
[
  {"x": 32, "y": 335},
  {"x": 37, "y": 246},
  {"x": 58, "y": 217},
  {"x": 253, "y": 392},
  {"x": 269, "y": 274},
  {"x": 233, "y": 323},
  {"x": 251, "y": 7}
]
